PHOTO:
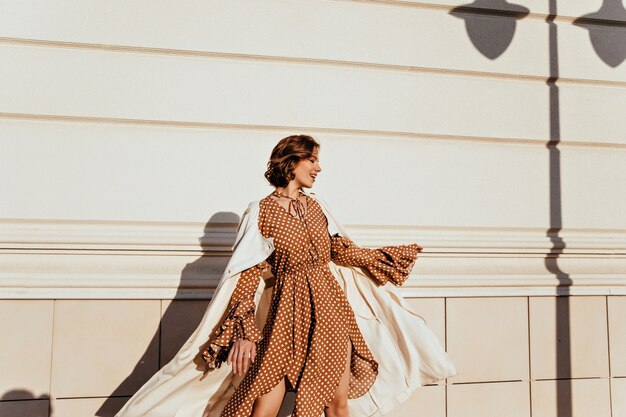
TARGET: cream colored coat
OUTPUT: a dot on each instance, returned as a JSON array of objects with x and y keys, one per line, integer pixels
[{"x": 407, "y": 351}]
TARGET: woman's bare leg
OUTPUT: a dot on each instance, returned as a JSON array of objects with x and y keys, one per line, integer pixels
[
  {"x": 268, "y": 405},
  {"x": 338, "y": 407}
]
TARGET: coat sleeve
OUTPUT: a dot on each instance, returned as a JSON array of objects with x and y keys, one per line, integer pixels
[
  {"x": 387, "y": 263},
  {"x": 240, "y": 320}
]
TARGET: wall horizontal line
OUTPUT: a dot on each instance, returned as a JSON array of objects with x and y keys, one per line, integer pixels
[
  {"x": 47, "y": 236},
  {"x": 44, "y": 397},
  {"x": 438, "y": 252},
  {"x": 564, "y": 142},
  {"x": 487, "y": 382},
  {"x": 91, "y": 396},
  {"x": 490, "y": 12},
  {"x": 547, "y": 79},
  {"x": 574, "y": 378},
  {"x": 43, "y": 292}
]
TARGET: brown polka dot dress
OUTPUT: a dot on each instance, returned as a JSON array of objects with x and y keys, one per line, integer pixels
[{"x": 310, "y": 322}]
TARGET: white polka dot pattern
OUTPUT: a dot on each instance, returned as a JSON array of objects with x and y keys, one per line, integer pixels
[
  {"x": 310, "y": 322},
  {"x": 389, "y": 263}
]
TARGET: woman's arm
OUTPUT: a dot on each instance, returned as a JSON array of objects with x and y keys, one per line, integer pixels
[
  {"x": 240, "y": 323},
  {"x": 387, "y": 263}
]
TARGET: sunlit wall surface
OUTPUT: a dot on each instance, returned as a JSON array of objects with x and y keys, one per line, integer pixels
[{"x": 134, "y": 134}]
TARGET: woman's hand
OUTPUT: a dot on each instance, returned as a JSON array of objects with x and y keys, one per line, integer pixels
[{"x": 240, "y": 355}]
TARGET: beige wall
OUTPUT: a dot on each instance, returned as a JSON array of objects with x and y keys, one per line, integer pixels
[
  {"x": 133, "y": 135},
  {"x": 516, "y": 355}
]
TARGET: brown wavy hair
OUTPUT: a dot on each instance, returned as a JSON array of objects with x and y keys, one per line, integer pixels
[{"x": 286, "y": 155}]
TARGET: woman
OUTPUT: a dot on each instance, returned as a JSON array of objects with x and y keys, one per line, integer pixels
[{"x": 322, "y": 312}]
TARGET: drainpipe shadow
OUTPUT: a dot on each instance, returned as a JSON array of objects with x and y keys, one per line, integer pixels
[{"x": 490, "y": 25}]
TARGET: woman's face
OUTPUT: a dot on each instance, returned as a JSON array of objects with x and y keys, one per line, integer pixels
[{"x": 306, "y": 170}]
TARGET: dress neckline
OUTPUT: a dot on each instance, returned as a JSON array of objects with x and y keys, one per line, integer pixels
[
  {"x": 307, "y": 208},
  {"x": 303, "y": 221}
]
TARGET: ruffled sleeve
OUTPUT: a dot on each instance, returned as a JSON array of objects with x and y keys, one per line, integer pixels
[
  {"x": 240, "y": 321},
  {"x": 387, "y": 263}
]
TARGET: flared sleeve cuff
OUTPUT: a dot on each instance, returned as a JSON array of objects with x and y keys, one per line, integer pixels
[
  {"x": 394, "y": 263},
  {"x": 239, "y": 324},
  {"x": 387, "y": 263}
]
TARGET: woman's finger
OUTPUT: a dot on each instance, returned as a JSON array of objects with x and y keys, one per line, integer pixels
[
  {"x": 253, "y": 354},
  {"x": 240, "y": 355},
  {"x": 235, "y": 352},
  {"x": 246, "y": 359},
  {"x": 236, "y": 360}
]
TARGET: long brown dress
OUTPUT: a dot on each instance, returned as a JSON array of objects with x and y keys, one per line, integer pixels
[{"x": 310, "y": 321}]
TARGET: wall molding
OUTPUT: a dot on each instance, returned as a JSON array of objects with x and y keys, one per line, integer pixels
[
  {"x": 197, "y": 236},
  {"x": 378, "y": 134},
  {"x": 495, "y": 11},
  {"x": 235, "y": 56},
  {"x": 66, "y": 259}
]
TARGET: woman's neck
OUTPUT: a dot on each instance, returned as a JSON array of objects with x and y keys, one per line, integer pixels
[{"x": 290, "y": 191}]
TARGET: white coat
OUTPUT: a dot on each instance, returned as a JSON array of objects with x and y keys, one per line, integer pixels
[{"x": 407, "y": 350}]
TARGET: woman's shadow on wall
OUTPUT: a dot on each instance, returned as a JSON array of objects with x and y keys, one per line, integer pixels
[{"x": 184, "y": 313}]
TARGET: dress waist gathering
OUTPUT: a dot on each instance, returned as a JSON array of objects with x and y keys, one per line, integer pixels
[{"x": 300, "y": 268}]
